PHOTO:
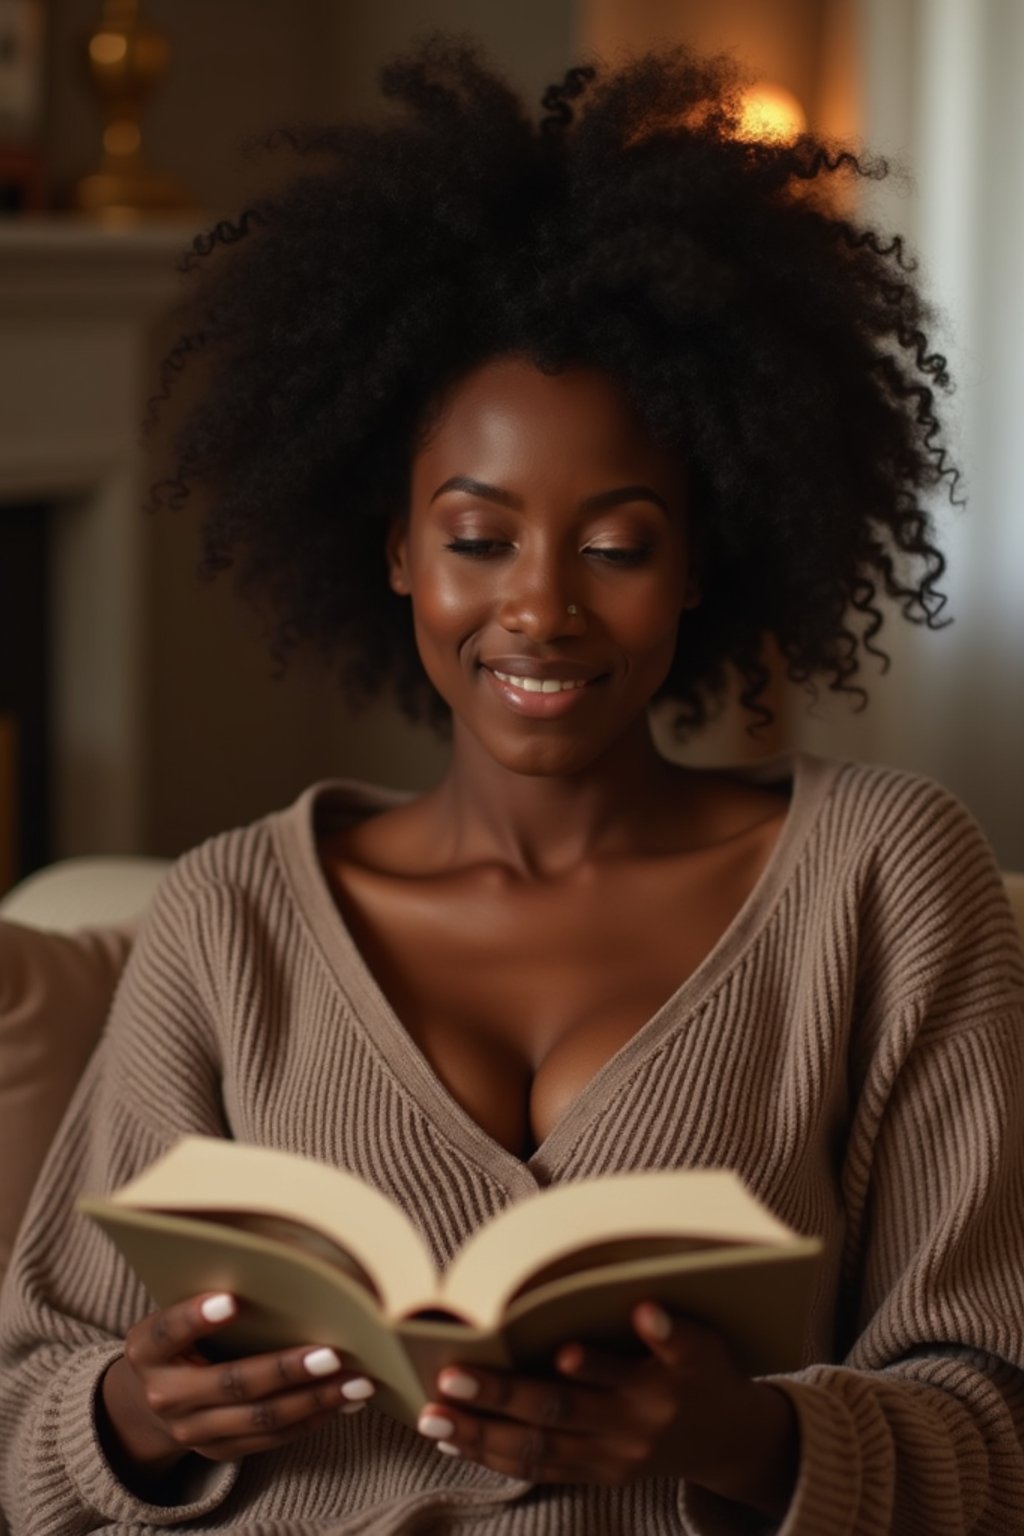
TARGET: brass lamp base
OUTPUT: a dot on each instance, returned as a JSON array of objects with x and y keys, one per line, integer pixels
[
  {"x": 126, "y": 59},
  {"x": 119, "y": 197}
]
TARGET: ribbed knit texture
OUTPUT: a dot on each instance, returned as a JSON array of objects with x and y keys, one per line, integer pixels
[{"x": 854, "y": 1046}]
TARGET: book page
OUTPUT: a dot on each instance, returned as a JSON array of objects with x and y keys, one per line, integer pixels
[
  {"x": 757, "y": 1296},
  {"x": 296, "y": 1234},
  {"x": 595, "y": 1256},
  {"x": 706, "y": 1204},
  {"x": 205, "y": 1174}
]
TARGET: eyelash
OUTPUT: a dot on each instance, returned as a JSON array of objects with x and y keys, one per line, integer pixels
[{"x": 482, "y": 549}]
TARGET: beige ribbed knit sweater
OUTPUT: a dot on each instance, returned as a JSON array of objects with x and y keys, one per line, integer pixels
[{"x": 854, "y": 1046}]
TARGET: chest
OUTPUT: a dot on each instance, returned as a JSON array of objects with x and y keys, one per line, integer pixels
[{"x": 517, "y": 995}]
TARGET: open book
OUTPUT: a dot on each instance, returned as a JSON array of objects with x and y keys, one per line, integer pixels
[{"x": 318, "y": 1256}]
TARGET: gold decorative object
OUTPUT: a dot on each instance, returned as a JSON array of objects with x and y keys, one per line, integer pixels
[{"x": 126, "y": 60}]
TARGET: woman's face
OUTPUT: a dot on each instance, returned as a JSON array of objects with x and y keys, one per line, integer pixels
[{"x": 535, "y": 495}]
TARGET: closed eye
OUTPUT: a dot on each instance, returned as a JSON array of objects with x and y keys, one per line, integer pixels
[
  {"x": 482, "y": 548},
  {"x": 638, "y": 556},
  {"x": 478, "y": 547}
]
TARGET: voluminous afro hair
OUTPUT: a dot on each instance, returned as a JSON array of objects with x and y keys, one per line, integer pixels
[{"x": 776, "y": 344}]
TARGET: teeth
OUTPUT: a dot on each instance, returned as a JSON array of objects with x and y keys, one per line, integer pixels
[{"x": 537, "y": 684}]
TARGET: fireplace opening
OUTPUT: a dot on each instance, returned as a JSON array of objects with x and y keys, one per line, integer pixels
[{"x": 25, "y": 673}]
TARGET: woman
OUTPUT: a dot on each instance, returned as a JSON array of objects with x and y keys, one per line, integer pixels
[{"x": 540, "y": 428}]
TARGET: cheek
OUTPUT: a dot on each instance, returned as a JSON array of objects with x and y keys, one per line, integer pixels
[
  {"x": 443, "y": 604},
  {"x": 651, "y": 619},
  {"x": 448, "y": 610}
]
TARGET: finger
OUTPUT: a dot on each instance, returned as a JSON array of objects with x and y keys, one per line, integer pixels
[
  {"x": 535, "y": 1453},
  {"x": 263, "y": 1422},
  {"x": 526, "y": 1399},
  {"x": 607, "y": 1394},
  {"x": 587, "y": 1364},
  {"x": 683, "y": 1344},
  {"x": 182, "y": 1388},
  {"x": 175, "y": 1330},
  {"x": 248, "y": 1445}
]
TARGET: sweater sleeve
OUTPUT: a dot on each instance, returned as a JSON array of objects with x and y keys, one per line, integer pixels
[
  {"x": 69, "y": 1299},
  {"x": 920, "y": 1427}
]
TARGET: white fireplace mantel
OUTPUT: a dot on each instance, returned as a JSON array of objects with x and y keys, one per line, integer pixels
[{"x": 78, "y": 305}]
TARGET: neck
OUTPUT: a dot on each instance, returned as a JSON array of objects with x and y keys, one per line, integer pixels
[{"x": 542, "y": 826}]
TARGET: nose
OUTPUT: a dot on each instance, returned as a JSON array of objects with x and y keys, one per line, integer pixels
[{"x": 537, "y": 601}]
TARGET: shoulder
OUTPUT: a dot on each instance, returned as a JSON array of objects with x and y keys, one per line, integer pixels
[
  {"x": 920, "y": 885},
  {"x": 847, "y": 815},
  {"x": 240, "y": 861},
  {"x": 255, "y": 888},
  {"x": 900, "y": 798},
  {"x": 904, "y": 826},
  {"x": 237, "y": 873},
  {"x": 250, "y": 857}
]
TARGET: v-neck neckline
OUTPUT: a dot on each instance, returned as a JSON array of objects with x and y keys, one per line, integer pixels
[{"x": 295, "y": 832}]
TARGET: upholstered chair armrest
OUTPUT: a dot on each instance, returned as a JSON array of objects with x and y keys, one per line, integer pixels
[
  {"x": 65, "y": 934},
  {"x": 55, "y": 993}
]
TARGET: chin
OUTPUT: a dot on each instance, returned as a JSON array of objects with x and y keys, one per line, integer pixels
[{"x": 540, "y": 759}]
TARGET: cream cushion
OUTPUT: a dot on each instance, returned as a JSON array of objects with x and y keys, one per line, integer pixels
[{"x": 84, "y": 893}]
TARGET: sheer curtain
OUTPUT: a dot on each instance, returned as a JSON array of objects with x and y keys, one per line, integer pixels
[{"x": 941, "y": 94}]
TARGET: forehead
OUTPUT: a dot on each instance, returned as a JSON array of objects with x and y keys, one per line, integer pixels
[{"x": 510, "y": 416}]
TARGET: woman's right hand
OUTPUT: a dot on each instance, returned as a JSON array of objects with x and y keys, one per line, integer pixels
[{"x": 162, "y": 1399}]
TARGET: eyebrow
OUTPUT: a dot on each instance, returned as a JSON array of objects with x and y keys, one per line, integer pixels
[{"x": 599, "y": 502}]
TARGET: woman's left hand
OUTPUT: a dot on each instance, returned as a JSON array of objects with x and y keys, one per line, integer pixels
[{"x": 610, "y": 1417}]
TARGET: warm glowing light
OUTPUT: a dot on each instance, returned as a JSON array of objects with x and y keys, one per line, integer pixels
[
  {"x": 108, "y": 47},
  {"x": 771, "y": 112}
]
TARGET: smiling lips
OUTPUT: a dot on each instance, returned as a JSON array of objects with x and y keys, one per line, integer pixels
[
  {"x": 540, "y": 690},
  {"x": 537, "y": 684}
]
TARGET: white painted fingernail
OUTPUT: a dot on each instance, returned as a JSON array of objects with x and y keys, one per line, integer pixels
[
  {"x": 217, "y": 1309},
  {"x": 359, "y": 1386},
  {"x": 435, "y": 1426},
  {"x": 321, "y": 1362},
  {"x": 448, "y": 1448}
]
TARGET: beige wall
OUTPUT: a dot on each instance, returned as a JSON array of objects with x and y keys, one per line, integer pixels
[{"x": 529, "y": 40}]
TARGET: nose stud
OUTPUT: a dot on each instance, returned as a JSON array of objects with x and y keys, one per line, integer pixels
[{"x": 573, "y": 609}]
